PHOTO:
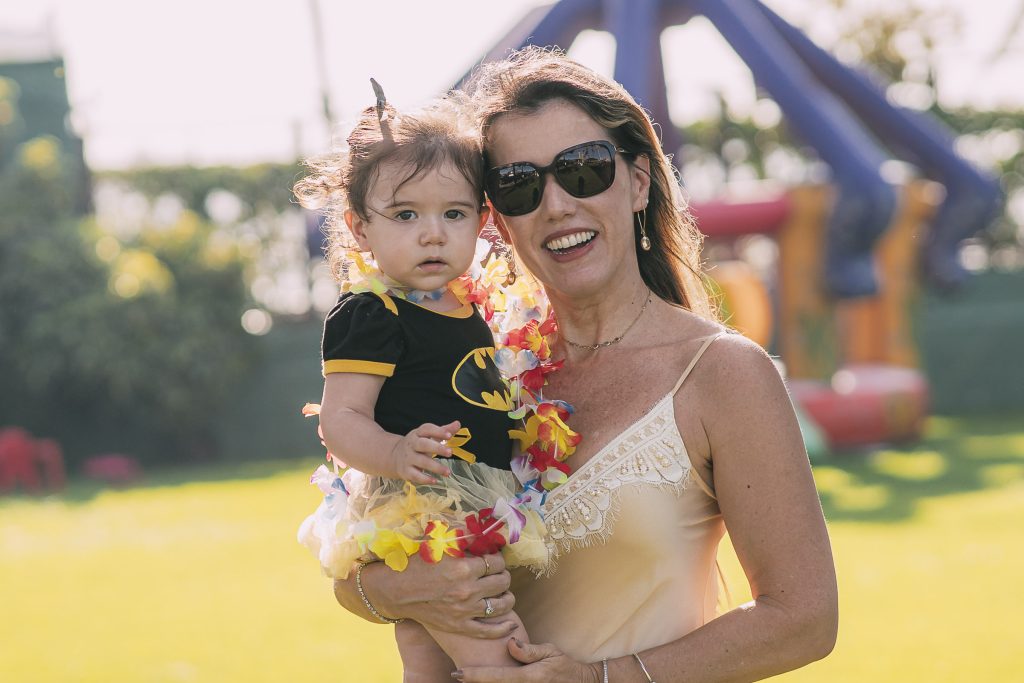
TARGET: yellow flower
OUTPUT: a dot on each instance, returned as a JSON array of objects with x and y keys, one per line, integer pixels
[
  {"x": 394, "y": 548},
  {"x": 546, "y": 429},
  {"x": 366, "y": 277},
  {"x": 441, "y": 541},
  {"x": 552, "y": 431},
  {"x": 528, "y": 436},
  {"x": 496, "y": 270}
]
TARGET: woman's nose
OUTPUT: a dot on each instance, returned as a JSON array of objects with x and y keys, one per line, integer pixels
[{"x": 556, "y": 202}]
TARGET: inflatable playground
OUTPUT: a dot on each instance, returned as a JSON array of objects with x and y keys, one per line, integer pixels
[{"x": 853, "y": 254}]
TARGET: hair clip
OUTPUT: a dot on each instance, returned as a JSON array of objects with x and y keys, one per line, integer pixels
[{"x": 382, "y": 101}]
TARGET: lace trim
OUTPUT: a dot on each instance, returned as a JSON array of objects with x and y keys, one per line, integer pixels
[{"x": 582, "y": 511}]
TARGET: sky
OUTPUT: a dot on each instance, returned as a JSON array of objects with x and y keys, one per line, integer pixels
[{"x": 236, "y": 82}]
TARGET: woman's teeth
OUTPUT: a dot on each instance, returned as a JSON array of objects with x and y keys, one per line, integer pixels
[{"x": 566, "y": 241}]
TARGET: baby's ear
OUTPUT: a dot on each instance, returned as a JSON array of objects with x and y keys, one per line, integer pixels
[{"x": 357, "y": 226}]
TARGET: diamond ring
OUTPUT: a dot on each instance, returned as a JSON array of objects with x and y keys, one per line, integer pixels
[{"x": 488, "y": 607}]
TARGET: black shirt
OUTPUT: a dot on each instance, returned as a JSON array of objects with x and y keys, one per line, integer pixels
[{"x": 439, "y": 367}]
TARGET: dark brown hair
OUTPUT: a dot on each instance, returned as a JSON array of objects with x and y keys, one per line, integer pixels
[
  {"x": 424, "y": 140},
  {"x": 529, "y": 78}
]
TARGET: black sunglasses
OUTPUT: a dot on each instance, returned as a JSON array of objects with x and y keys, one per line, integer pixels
[{"x": 582, "y": 170}]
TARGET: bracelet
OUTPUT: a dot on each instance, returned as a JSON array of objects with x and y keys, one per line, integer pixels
[
  {"x": 366, "y": 601},
  {"x": 604, "y": 666},
  {"x": 646, "y": 672}
]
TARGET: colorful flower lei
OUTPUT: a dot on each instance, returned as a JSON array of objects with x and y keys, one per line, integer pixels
[
  {"x": 364, "y": 276},
  {"x": 521, "y": 320}
]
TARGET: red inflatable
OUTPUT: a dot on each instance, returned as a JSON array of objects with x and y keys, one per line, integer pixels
[{"x": 866, "y": 404}]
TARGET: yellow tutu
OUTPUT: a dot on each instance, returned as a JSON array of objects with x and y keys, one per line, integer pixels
[{"x": 477, "y": 510}]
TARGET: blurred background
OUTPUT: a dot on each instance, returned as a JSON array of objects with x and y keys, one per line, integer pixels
[{"x": 857, "y": 167}]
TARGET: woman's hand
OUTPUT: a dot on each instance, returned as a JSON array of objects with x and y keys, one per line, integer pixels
[
  {"x": 544, "y": 662},
  {"x": 447, "y": 598}
]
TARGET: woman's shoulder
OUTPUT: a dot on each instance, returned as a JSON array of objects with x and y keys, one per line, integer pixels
[
  {"x": 734, "y": 377},
  {"x": 723, "y": 359},
  {"x": 729, "y": 383}
]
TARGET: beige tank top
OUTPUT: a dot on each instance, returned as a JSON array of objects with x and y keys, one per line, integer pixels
[{"x": 637, "y": 532}]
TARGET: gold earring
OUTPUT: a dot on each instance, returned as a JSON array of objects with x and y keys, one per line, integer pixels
[
  {"x": 645, "y": 242},
  {"x": 511, "y": 258}
]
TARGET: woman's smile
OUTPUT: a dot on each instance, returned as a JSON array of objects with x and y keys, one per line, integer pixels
[{"x": 568, "y": 245}]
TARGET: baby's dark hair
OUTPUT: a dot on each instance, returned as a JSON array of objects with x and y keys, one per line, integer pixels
[{"x": 442, "y": 132}]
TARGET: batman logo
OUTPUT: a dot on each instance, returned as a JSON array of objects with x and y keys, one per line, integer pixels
[{"x": 477, "y": 381}]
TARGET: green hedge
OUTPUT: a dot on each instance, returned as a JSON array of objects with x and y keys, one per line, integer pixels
[
  {"x": 113, "y": 344},
  {"x": 972, "y": 345}
]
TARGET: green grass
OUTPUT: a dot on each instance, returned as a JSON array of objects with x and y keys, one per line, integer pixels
[{"x": 196, "y": 575}]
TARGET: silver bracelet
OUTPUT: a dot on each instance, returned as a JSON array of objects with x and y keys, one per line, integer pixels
[
  {"x": 604, "y": 665},
  {"x": 366, "y": 601},
  {"x": 646, "y": 672}
]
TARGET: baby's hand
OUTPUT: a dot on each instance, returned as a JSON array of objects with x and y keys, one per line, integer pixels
[{"x": 412, "y": 458}]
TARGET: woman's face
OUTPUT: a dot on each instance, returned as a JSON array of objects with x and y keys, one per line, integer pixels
[{"x": 575, "y": 246}]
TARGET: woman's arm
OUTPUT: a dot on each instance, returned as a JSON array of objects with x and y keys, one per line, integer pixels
[
  {"x": 770, "y": 506},
  {"x": 768, "y": 500},
  {"x": 448, "y": 596},
  {"x": 348, "y": 429}
]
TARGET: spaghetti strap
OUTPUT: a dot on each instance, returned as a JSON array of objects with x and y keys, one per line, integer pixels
[{"x": 696, "y": 357}]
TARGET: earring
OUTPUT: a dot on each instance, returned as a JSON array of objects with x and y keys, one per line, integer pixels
[
  {"x": 645, "y": 242},
  {"x": 511, "y": 258}
]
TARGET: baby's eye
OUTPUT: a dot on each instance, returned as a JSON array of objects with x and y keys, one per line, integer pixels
[
  {"x": 454, "y": 214},
  {"x": 406, "y": 215}
]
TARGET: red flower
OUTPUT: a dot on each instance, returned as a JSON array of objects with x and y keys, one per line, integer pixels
[
  {"x": 483, "y": 533},
  {"x": 543, "y": 460},
  {"x": 534, "y": 379}
]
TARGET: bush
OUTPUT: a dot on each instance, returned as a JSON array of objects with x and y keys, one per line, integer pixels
[{"x": 111, "y": 344}]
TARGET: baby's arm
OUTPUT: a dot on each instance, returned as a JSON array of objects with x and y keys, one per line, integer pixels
[{"x": 349, "y": 430}]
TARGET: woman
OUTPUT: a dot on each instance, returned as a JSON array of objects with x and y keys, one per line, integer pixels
[{"x": 687, "y": 430}]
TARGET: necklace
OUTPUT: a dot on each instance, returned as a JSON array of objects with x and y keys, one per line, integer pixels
[
  {"x": 598, "y": 345},
  {"x": 418, "y": 295}
]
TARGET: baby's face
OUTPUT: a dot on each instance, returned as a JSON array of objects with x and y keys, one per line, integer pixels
[{"x": 422, "y": 231}]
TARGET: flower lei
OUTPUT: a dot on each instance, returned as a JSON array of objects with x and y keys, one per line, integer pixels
[
  {"x": 521, "y": 321},
  {"x": 363, "y": 276}
]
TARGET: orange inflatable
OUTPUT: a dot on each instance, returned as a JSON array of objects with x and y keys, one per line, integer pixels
[{"x": 745, "y": 303}]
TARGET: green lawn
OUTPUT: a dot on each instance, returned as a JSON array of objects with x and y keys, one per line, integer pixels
[{"x": 196, "y": 575}]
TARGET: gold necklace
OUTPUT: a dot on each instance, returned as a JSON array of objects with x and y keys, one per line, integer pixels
[{"x": 598, "y": 345}]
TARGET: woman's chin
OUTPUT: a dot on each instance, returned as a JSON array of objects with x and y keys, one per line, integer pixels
[
  {"x": 582, "y": 278},
  {"x": 580, "y": 285}
]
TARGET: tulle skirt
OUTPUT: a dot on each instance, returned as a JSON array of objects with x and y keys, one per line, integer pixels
[{"x": 477, "y": 510}]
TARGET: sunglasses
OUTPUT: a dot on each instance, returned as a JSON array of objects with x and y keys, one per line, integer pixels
[{"x": 582, "y": 170}]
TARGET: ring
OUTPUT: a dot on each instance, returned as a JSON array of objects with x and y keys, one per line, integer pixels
[
  {"x": 488, "y": 607},
  {"x": 487, "y": 566}
]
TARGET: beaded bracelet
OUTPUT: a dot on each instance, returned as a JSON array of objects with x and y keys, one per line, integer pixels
[{"x": 366, "y": 601}]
